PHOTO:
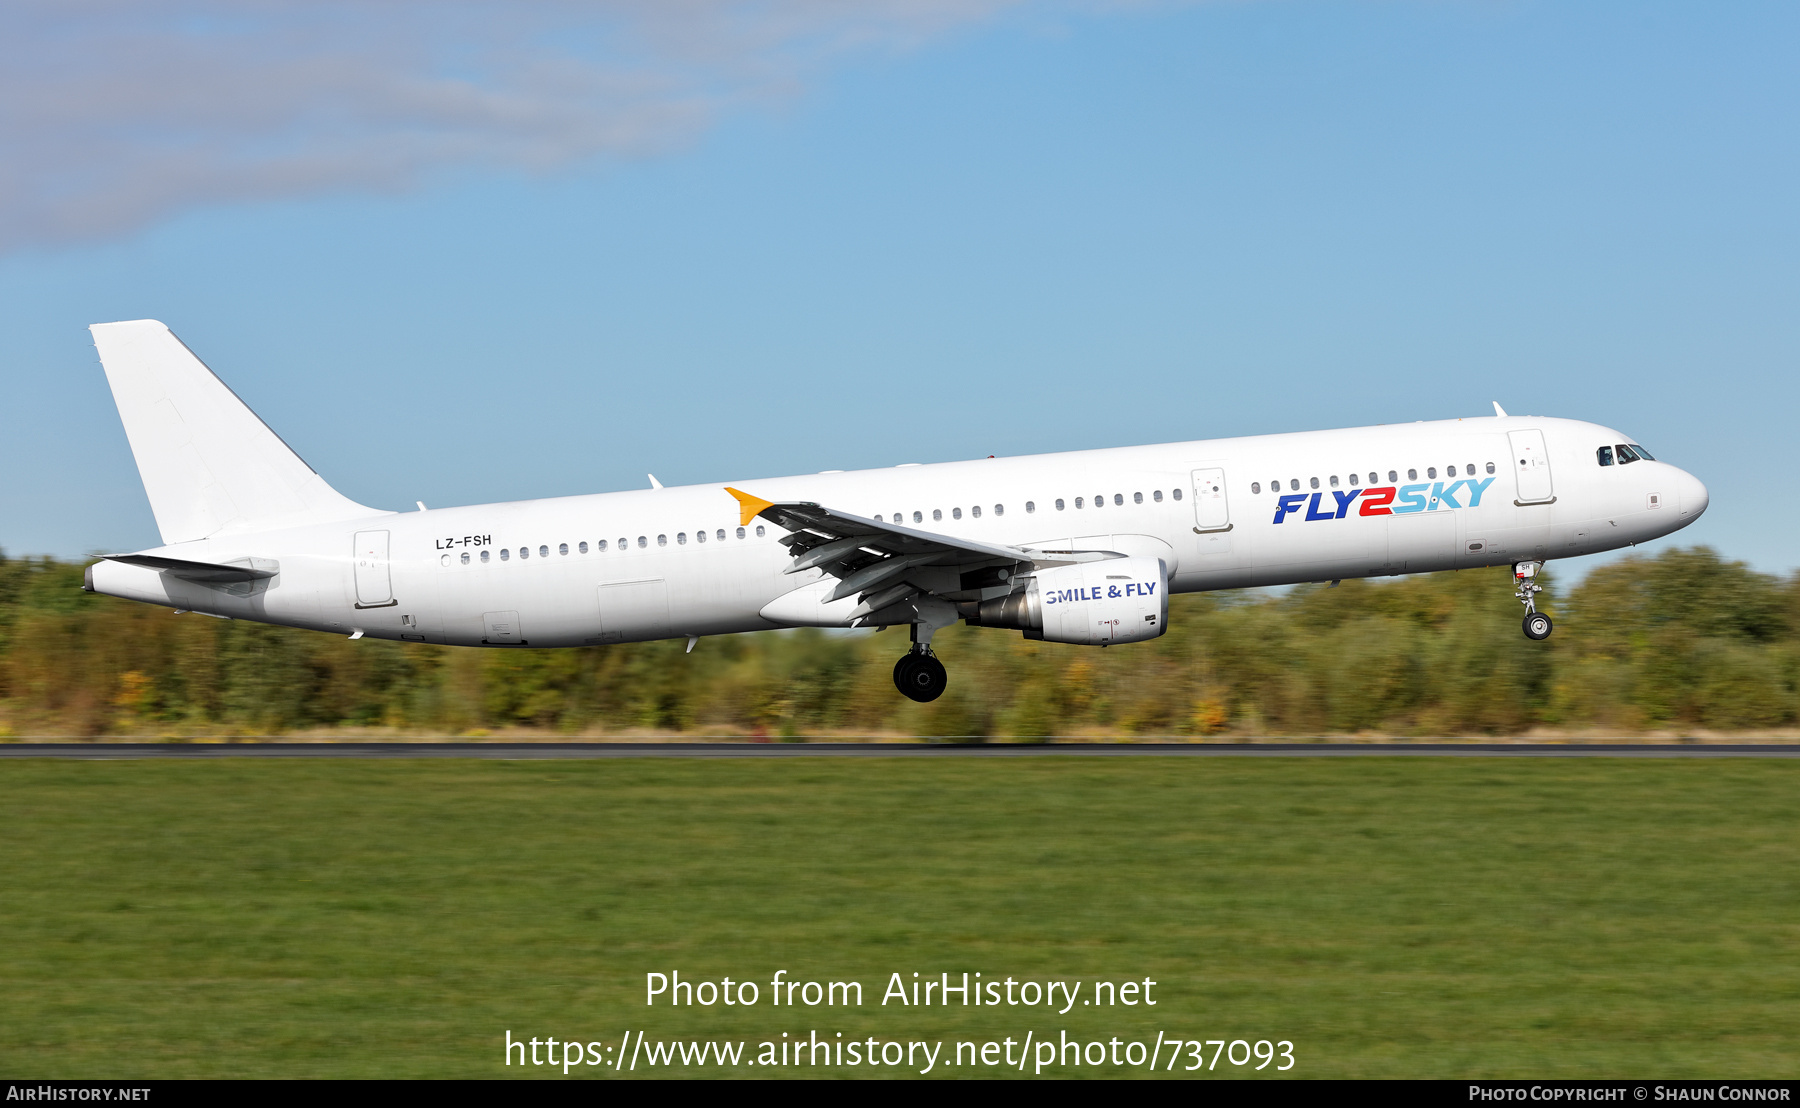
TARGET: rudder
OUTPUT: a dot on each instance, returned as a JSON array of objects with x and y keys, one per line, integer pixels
[{"x": 210, "y": 466}]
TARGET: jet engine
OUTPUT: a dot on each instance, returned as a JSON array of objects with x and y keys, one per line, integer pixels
[{"x": 1090, "y": 603}]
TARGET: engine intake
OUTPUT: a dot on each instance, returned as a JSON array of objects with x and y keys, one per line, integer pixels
[{"x": 1090, "y": 603}]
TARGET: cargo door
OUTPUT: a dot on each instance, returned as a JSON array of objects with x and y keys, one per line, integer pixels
[
  {"x": 501, "y": 629},
  {"x": 1531, "y": 464},
  {"x": 1211, "y": 512},
  {"x": 374, "y": 587},
  {"x": 632, "y": 611}
]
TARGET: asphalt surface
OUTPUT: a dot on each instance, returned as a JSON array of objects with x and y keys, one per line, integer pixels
[{"x": 101, "y": 751}]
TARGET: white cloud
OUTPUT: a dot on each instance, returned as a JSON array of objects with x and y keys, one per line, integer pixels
[{"x": 114, "y": 113}]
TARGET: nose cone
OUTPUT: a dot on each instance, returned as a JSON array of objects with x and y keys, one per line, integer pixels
[{"x": 1694, "y": 498}]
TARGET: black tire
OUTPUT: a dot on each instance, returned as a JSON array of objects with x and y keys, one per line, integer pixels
[
  {"x": 903, "y": 667},
  {"x": 1538, "y": 626},
  {"x": 921, "y": 677}
]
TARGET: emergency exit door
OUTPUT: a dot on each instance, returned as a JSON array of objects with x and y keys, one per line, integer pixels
[
  {"x": 374, "y": 588},
  {"x": 1211, "y": 512}
]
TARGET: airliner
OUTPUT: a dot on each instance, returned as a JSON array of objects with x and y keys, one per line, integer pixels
[{"x": 1083, "y": 547}]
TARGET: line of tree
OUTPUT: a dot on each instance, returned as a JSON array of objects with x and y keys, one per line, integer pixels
[{"x": 1684, "y": 640}]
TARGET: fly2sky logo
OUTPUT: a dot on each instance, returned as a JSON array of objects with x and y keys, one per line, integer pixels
[{"x": 1388, "y": 500}]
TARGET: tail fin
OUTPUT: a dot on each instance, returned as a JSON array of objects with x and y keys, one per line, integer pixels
[{"x": 209, "y": 464}]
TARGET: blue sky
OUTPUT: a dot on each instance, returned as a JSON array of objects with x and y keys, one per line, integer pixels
[{"x": 929, "y": 236}]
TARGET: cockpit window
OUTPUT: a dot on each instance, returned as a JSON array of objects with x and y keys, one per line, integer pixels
[
  {"x": 1605, "y": 455},
  {"x": 1642, "y": 453},
  {"x": 1625, "y": 455}
]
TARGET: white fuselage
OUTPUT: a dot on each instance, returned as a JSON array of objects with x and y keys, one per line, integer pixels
[{"x": 628, "y": 566}]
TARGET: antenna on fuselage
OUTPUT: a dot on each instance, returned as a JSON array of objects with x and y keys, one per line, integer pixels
[{"x": 1498, "y": 410}]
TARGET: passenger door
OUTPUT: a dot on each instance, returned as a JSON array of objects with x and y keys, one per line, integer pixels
[
  {"x": 1531, "y": 464},
  {"x": 374, "y": 587},
  {"x": 1211, "y": 512}
]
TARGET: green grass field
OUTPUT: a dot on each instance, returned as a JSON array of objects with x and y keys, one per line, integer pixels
[{"x": 1390, "y": 917}]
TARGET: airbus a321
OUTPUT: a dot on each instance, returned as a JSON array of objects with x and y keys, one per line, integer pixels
[{"x": 1082, "y": 547}]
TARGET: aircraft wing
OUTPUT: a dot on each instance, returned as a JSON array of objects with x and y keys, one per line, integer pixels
[{"x": 885, "y": 564}]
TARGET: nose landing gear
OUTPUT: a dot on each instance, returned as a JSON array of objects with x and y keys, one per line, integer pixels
[{"x": 1537, "y": 624}]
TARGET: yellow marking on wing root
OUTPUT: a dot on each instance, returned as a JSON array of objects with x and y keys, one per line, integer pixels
[{"x": 748, "y": 506}]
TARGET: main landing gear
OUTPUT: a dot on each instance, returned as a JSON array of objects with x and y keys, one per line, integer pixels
[
  {"x": 1537, "y": 624},
  {"x": 919, "y": 675}
]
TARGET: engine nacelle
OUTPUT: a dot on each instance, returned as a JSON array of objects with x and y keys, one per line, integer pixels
[{"x": 1090, "y": 603}]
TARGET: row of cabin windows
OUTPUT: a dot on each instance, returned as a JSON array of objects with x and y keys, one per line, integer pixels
[
  {"x": 1393, "y": 475},
  {"x": 1118, "y": 498},
  {"x": 1626, "y": 454},
  {"x": 643, "y": 541},
  {"x": 937, "y": 515}
]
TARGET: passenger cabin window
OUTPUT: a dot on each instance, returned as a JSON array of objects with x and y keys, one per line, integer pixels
[
  {"x": 1353, "y": 480},
  {"x": 740, "y": 532},
  {"x": 1393, "y": 475},
  {"x": 1078, "y": 502},
  {"x": 937, "y": 514},
  {"x": 1059, "y": 504},
  {"x": 524, "y": 552},
  {"x": 1119, "y": 499},
  {"x": 544, "y": 551},
  {"x": 1431, "y": 473},
  {"x": 505, "y": 554},
  {"x": 662, "y": 540},
  {"x": 1176, "y": 493},
  {"x": 465, "y": 557},
  {"x": 1000, "y": 509},
  {"x": 583, "y": 548},
  {"x": 956, "y": 513},
  {"x": 1412, "y": 475},
  {"x": 484, "y": 555},
  {"x": 759, "y": 531},
  {"x": 1605, "y": 455},
  {"x": 1490, "y": 467},
  {"x": 643, "y": 541},
  {"x": 1334, "y": 481},
  {"x": 975, "y": 511},
  {"x": 1137, "y": 498},
  {"x": 699, "y": 536},
  {"x": 918, "y": 517},
  {"x": 1315, "y": 482},
  {"x": 1157, "y": 496},
  {"x": 681, "y": 538},
  {"x": 719, "y": 534},
  {"x": 562, "y": 548},
  {"x": 1255, "y": 488}
]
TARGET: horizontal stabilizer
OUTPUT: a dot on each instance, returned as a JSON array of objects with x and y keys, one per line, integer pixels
[
  {"x": 209, "y": 465},
  {"x": 204, "y": 573}
]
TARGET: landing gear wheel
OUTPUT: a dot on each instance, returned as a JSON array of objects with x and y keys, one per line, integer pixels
[
  {"x": 1537, "y": 626},
  {"x": 920, "y": 677}
]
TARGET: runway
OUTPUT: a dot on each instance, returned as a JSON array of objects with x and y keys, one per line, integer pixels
[{"x": 556, "y": 751}]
